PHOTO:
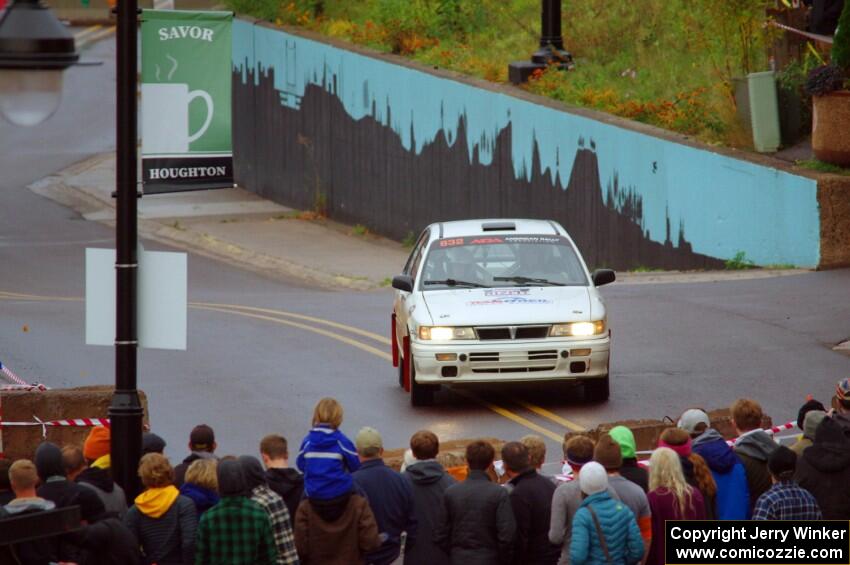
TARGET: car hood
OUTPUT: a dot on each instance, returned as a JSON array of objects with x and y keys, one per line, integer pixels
[{"x": 497, "y": 306}]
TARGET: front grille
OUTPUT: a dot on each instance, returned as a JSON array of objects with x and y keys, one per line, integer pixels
[
  {"x": 488, "y": 333},
  {"x": 513, "y": 361},
  {"x": 493, "y": 333}
]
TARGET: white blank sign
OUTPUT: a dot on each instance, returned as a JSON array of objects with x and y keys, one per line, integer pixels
[{"x": 161, "y": 302}]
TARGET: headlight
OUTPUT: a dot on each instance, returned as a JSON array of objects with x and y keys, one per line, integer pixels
[
  {"x": 438, "y": 333},
  {"x": 578, "y": 329}
]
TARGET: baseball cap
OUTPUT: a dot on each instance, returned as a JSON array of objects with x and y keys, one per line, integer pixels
[
  {"x": 368, "y": 438},
  {"x": 152, "y": 443},
  {"x": 692, "y": 418},
  {"x": 202, "y": 438},
  {"x": 842, "y": 391}
]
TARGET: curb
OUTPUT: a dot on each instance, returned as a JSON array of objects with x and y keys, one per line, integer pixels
[{"x": 85, "y": 201}]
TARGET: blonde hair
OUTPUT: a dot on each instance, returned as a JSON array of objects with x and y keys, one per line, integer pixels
[
  {"x": 328, "y": 411},
  {"x": 202, "y": 472},
  {"x": 155, "y": 471},
  {"x": 23, "y": 475},
  {"x": 536, "y": 449},
  {"x": 665, "y": 472}
]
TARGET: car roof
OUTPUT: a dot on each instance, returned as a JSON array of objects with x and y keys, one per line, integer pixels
[{"x": 464, "y": 228}]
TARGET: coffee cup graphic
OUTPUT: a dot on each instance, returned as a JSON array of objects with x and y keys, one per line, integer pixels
[{"x": 165, "y": 117}]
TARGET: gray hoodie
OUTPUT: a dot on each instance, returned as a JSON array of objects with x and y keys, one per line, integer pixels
[{"x": 428, "y": 481}]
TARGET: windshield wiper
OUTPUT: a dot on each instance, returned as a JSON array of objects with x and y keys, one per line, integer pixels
[
  {"x": 528, "y": 280},
  {"x": 454, "y": 282}
]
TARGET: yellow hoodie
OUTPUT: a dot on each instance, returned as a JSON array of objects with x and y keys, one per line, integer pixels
[{"x": 155, "y": 502}]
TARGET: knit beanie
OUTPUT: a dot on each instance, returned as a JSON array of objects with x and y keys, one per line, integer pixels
[
  {"x": 607, "y": 453},
  {"x": 593, "y": 478},
  {"x": 811, "y": 404},
  {"x": 97, "y": 444},
  {"x": 626, "y": 439}
]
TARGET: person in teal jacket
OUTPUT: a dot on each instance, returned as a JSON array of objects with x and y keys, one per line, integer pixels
[{"x": 616, "y": 521}]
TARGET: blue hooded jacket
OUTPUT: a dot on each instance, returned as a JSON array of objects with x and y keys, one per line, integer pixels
[
  {"x": 733, "y": 494},
  {"x": 618, "y": 525},
  {"x": 327, "y": 458},
  {"x": 203, "y": 498}
]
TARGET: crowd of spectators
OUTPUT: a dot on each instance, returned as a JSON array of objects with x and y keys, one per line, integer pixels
[{"x": 342, "y": 504}]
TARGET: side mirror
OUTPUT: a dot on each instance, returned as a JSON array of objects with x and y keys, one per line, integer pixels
[
  {"x": 403, "y": 282},
  {"x": 603, "y": 277}
]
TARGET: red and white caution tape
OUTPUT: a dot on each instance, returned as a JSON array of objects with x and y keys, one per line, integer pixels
[
  {"x": 12, "y": 376},
  {"x": 35, "y": 386},
  {"x": 808, "y": 35},
  {"x": 74, "y": 423}
]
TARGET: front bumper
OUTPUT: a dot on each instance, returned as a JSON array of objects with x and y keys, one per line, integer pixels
[{"x": 550, "y": 359}]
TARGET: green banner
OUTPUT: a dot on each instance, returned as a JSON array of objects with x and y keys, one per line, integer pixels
[{"x": 186, "y": 93}]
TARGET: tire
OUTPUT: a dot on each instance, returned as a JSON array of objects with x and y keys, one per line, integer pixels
[
  {"x": 597, "y": 390},
  {"x": 420, "y": 395}
]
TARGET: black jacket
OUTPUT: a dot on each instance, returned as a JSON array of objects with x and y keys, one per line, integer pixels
[
  {"x": 476, "y": 524},
  {"x": 109, "y": 493},
  {"x": 289, "y": 484},
  {"x": 109, "y": 542},
  {"x": 531, "y": 501},
  {"x": 429, "y": 482},
  {"x": 390, "y": 497},
  {"x": 635, "y": 473},
  {"x": 824, "y": 470}
]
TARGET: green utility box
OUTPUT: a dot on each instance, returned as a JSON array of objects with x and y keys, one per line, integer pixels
[{"x": 764, "y": 111}]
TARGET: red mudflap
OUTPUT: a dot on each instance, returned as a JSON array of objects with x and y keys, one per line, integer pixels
[
  {"x": 407, "y": 360},
  {"x": 394, "y": 341}
]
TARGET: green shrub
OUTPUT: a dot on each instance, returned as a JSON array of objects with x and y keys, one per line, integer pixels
[{"x": 841, "y": 41}]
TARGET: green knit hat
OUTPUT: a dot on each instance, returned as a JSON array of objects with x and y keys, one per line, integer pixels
[{"x": 626, "y": 439}]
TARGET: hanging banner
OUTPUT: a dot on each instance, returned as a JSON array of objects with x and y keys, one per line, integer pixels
[{"x": 186, "y": 83}]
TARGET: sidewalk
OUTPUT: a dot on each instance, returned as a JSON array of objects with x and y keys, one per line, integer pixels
[{"x": 241, "y": 228}]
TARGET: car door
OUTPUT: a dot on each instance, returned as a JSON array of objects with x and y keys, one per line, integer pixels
[{"x": 404, "y": 301}]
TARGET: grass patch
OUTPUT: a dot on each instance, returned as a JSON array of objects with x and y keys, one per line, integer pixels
[
  {"x": 360, "y": 230},
  {"x": 386, "y": 282},
  {"x": 780, "y": 266},
  {"x": 645, "y": 269},
  {"x": 739, "y": 262},
  {"x": 668, "y": 63},
  {"x": 822, "y": 167},
  {"x": 409, "y": 240}
]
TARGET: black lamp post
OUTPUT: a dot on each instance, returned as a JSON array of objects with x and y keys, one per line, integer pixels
[
  {"x": 551, "y": 52},
  {"x": 125, "y": 412},
  {"x": 34, "y": 50}
]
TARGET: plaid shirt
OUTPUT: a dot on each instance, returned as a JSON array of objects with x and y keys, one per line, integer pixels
[
  {"x": 278, "y": 513},
  {"x": 786, "y": 500},
  {"x": 236, "y": 531}
]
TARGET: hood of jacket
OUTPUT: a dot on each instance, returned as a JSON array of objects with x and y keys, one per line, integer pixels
[
  {"x": 202, "y": 497},
  {"x": 711, "y": 446},
  {"x": 757, "y": 445},
  {"x": 425, "y": 472},
  {"x": 48, "y": 461},
  {"x": 284, "y": 480},
  {"x": 155, "y": 502},
  {"x": 195, "y": 455},
  {"x": 22, "y": 505},
  {"x": 322, "y": 437},
  {"x": 811, "y": 423},
  {"x": 830, "y": 452},
  {"x": 101, "y": 478},
  {"x": 252, "y": 469},
  {"x": 231, "y": 479}
]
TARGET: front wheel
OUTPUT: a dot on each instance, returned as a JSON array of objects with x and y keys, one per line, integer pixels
[{"x": 597, "y": 390}]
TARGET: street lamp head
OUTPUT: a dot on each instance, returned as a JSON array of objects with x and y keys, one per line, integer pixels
[{"x": 35, "y": 48}]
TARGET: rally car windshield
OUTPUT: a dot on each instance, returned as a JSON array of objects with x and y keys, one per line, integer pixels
[{"x": 502, "y": 261}]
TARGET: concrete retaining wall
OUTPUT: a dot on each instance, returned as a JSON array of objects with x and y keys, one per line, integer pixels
[
  {"x": 393, "y": 145},
  {"x": 55, "y": 404}
]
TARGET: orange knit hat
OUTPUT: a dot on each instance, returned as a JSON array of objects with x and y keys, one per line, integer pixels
[{"x": 97, "y": 444}]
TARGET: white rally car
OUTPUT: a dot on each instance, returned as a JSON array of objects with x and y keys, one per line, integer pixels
[{"x": 498, "y": 301}]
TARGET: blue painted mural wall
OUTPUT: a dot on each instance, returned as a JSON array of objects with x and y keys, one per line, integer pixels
[{"x": 726, "y": 205}]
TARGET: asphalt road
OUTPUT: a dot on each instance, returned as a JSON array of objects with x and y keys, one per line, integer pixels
[{"x": 253, "y": 372}]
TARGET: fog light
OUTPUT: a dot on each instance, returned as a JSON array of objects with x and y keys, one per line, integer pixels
[
  {"x": 578, "y": 367},
  {"x": 446, "y": 356},
  {"x": 580, "y": 352},
  {"x": 449, "y": 371}
]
